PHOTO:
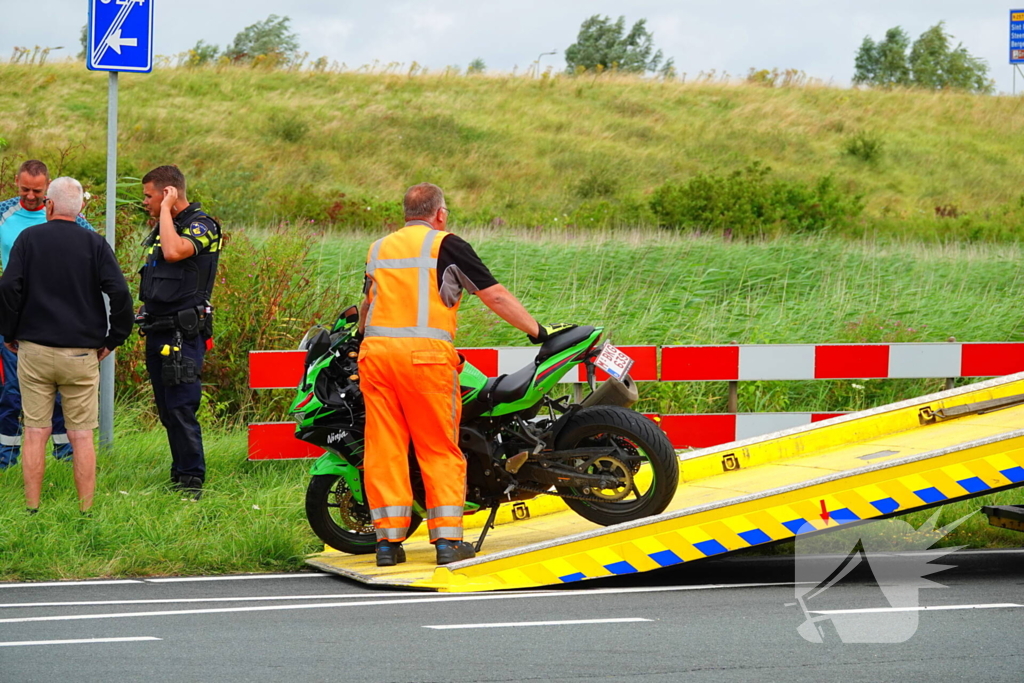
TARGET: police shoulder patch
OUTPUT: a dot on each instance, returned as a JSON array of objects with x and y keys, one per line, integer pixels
[{"x": 198, "y": 229}]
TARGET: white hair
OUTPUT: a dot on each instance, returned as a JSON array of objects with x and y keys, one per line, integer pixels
[{"x": 67, "y": 196}]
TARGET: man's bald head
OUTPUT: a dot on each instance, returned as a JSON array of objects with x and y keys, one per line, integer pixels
[{"x": 423, "y": 201}]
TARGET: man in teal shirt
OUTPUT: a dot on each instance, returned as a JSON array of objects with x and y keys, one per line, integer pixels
[{"x": 17, "y": 215}]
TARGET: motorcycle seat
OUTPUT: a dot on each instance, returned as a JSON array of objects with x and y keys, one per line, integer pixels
[
  {"x": 509, "y": 388},
  {"x": 563, "y": 341}
]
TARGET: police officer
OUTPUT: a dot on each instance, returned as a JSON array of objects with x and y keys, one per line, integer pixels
[{"x": 180, "y": 268}]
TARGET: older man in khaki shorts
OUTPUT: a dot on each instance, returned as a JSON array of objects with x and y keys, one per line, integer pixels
[{"x": 53, "y": 316}]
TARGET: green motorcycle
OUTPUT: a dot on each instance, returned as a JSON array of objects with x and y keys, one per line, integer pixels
[{"x": 609, "y": 463}]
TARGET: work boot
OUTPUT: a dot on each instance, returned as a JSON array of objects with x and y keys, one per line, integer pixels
[
  {"x": 389, "y": 553},
  {"x": 449, "y": 551},
  {"x": 191, "y": 486}
]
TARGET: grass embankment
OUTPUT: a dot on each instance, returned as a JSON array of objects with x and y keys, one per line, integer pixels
[
  {"x": 263, "y": 145},
  {"x": 647, "y": 288}
]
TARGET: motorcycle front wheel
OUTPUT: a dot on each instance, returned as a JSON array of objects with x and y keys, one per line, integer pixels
[
  {"x": 643, "y": 462},
  {"x": 338, "y": 519}
]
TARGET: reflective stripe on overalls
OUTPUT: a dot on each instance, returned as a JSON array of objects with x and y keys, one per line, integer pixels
[{"x": 409, "y": 378}]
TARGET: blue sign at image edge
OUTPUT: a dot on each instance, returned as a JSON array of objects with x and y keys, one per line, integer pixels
[
  {"x": 1016, "y": 52},
  {"x": 120, "y": 35}
]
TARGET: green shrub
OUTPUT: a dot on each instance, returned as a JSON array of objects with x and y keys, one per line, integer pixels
[
  {"x": 866, "y": 147},
  {"x": 313, "y": 205},
  {"x": 287, "y": 127},
  {"x": 202, "y": 54},
  {"x": 750, "y": 203},
  {"x": 627, "y": 213},
  {"x": 601, "y": 183}
]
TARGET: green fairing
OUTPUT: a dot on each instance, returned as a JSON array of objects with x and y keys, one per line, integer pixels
[
  {"x": 471, "y": 381},
  {"x": 332, "y": 463},
  {"x": 551, "y": 371}
]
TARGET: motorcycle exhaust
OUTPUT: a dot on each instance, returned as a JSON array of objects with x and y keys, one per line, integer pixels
[{"x": 613, "y": 393}]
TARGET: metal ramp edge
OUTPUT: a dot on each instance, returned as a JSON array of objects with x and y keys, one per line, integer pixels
[{"x": 963, "y": 467}]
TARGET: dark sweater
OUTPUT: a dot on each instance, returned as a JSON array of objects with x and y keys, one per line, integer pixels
[{"x": 51, "y": 291}]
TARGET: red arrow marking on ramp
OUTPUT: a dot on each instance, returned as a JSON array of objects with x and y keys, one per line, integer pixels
[{"x": 824, "y": 512}]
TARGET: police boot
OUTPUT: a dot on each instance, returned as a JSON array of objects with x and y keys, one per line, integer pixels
[
  {"x": 389, "y": 554},
  {"x": 453, "y": 551},
  {"x": 191, "y": 486}
]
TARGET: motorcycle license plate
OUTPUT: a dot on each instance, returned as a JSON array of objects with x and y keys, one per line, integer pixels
[{"x": 614, "y": 362}]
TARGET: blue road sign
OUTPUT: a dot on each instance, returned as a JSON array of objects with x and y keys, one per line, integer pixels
[
  {"x": 1017, "y": 36},
  {"x": 120, "y": 35}
]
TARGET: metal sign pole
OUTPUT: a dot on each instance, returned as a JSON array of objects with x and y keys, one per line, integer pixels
[
  {"x": 107, "y": 366},
  {"x": 120, "y": 39}
]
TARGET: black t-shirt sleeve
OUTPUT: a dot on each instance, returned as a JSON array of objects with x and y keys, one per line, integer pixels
[{"x": 457, "y": 262}]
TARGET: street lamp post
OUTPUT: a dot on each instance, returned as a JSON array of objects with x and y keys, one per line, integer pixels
[{"x": 542, "y": 54}]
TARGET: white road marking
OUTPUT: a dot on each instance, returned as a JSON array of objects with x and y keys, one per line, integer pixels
[
  {"x": 171, "y": 601},
  {"x": 241, "y": 577},
  {"x": 54, "y": 584},
  {"x": 335, "y": 596},
  {"x": 511, "y": 624},
  {"x": 85, "y": 641},
  {"x": 932, "y": 608},
  {"x": 407, "y": 601}
]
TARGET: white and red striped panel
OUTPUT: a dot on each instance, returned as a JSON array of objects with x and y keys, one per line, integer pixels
[
  {"x": 839, "y": 361},
  {"x": 704, "y": 431}
]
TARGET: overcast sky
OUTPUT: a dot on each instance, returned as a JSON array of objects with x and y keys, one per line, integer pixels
[{"x": 819, "y": 37}]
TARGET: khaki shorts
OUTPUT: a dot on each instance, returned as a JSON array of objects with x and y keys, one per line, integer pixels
[{"x": 44, "y": 370}]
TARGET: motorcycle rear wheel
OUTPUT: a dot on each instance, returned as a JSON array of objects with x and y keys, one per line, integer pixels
[
  {"x": 338, "y": 519},
  {"x": 643, "y": 444}
]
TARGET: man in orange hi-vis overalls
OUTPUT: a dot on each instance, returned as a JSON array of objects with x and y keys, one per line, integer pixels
[{"x": 409, "y": 372}]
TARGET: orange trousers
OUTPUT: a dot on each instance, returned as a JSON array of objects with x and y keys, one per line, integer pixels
[{"x": 411, "y": 390}]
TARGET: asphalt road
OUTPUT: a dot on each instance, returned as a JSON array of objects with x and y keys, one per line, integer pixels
[{"x": 727, "y": 620}]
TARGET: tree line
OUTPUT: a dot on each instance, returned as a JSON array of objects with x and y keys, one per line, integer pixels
[
  {"x": 930, "y": 62},
  {"x": 602, "y": 44}
]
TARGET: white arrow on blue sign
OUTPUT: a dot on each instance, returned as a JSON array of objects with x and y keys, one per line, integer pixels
[{"x": 120, "y": 35}]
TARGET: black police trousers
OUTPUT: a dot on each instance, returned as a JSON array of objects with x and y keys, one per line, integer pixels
[{"x": 177, "y": 405}]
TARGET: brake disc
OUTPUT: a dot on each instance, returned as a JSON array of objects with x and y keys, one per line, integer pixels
[
  {"x": 608, "y": 465},
  {"x": 354, "y": 517}
]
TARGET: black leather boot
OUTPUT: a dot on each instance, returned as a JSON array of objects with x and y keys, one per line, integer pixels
[
  {"x": 389, "y": 554},
  {"x": 453, "y": 551}
]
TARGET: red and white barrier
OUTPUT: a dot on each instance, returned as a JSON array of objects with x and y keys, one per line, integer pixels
[
  {"x": 704, "y": 431},
  {"x": 732, "y": 363},
  {"x": 838, "y": 361}
]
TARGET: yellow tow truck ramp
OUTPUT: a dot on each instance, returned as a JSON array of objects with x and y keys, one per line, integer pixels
[{"x": 891, "y": 460}]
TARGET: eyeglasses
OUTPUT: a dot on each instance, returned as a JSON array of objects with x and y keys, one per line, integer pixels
[{"x": 447, "y": 212}]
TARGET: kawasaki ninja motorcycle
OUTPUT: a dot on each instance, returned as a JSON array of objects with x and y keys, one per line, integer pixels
[{"x": 609, "y": 463}]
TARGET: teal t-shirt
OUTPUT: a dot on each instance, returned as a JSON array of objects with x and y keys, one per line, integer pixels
[{"x": 14, "y": 219}]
